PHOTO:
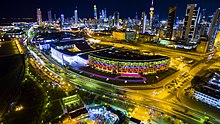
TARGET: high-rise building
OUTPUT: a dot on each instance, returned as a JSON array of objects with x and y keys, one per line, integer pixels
[
  {"x": 214, "y": 28},
  {"x": 62, "y": 18},
  {"x": 171, "y": 21},
  {"x": 136, "y": 19},
  {"x": 116, "y": 19},
  {"x": 49, "y": 14},
  {"x": 95, "y": 12},
  {"x": 55, "y": 17},
  {"x": 103, "y": 14},
  {"x": 110, "y": 21},
  {"x": 106, "y": 18},
  {"x": 151, "y": 14},
  {"x": 202, "y": 23},
  {"x": 190, "y": 22},
  {"x": 39, "y": 17},
  {"x": 75, "y": 17},
  {"x": 143, "y": 22}
]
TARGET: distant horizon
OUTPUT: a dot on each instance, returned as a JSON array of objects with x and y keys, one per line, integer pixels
[{"x": 85, "y": 8}]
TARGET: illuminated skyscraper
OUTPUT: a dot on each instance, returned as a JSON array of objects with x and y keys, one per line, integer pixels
[
  {"x": 106, "y": 18},
  {"x": 190, "y": 22},
  {"x": 95, "y": 12},
  {"x": 143, "y": 22},
  {"x": 171, "y": 21},
  {"x": 39, "y": 17},
  {"x": 103, "y": 14},
  {"x": 55, "y": 17},
  {"x": 76, "y": 17},
  {"x": 151, "y": 14},
  {"x": 62, "y": 18},
  {"x": 136, "y": 21},
  {"x": 116, "y": 19},
  {"x": 49, "y": 14},
  {"x": 214, "y": 28}
]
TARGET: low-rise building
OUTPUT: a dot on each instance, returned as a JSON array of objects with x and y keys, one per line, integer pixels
[
  {"x": 203, "y": 44},
  {"x": 209, "y": 91},
  {"x": 124, "y": 35}
]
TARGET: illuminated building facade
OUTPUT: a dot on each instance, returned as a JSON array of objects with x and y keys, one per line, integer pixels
[
  {"x": 95, "y": 12},
  {"x": 214, "y": 29},
  {"x": 118, "y": 62},
  {"x": 217, "y": 41},
  {"x": 39, "y": 17},
  {"x": 124, "y": 35},
  {"x": 75, "y": 17},
  {"x": 203, "y": 44},
  {"x": 143, "y": 22},
  {"x": 62, "y": 18},
  {"x": 190, "y": 22},
  {"x": 49, "y": 14},
  {"x": 209, "y": 93},
  {"x": 171, "y": 21},
  {"x": 151, "y": 14},
  {"x": 116, "y": 19}
]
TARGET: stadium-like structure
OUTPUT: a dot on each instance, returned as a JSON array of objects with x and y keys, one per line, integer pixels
[{"x": 119, "y": 61}]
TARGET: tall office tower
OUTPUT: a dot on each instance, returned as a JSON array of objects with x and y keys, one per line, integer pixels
[
  {"x": 214, "y": 28},
  {"x": 143, "y": 22},
  {"x": 62, "y": 18},
  {"x": 55, "y": 17},
  {"x": 190, "y": 22},
  {"x": 201, "y": 24},
  {"x": 136, "y": 18},
  {"x": 116, "y": 19},
  {"x": 75, "y": 17},
  {"x": 110, "y": 21},
  {"x": 49, "y": 14},
  {"x": 95, "y": 12},
  {"x": 202, "y": 16},
  {"x": 124, "y": 25},
  {"x": 103, "y": 14},
  {"x": 208, "y": 24},
  {"x": 171, "y": 21},
  {"x": 151, "y": 14},
  {"x": 106, "y": 18},
  {"x": 39, "y": 17},
  {"x": 156, "y": 21}
]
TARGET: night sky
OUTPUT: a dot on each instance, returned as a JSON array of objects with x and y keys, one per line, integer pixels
[{"x": 127, "y": 8}]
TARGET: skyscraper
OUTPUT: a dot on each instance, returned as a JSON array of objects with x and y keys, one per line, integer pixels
[
  {"x": 55, "y": 17},
  {"x": 103, "y": 14},
  {"x": 202, "y": 23},
  {"x": 95, "y": 12},
  {"x": 62, "y": 18},
  {"x": 116, "y": 19},
  {"x": 214, "y": 28},
  {"x": 136, "y": 19},
  {"x": 143, "y": 22},
  {"x": 106, "y": 18},
  {"x": 190, "y": 22},
  {"x": 151, "y": 14},
  {"x": 39, "y": 17},
  {"x": 75, "y": 17},
  {"x": 49, "y": 14},
  {"x": 171, "y": 21}
]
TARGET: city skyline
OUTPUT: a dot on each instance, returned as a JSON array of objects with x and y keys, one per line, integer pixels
[
  {"x": 125, "y": 8},
  {"x": 110, "y": 62}
]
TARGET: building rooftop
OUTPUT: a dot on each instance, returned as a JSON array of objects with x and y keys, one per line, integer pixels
[
  {"x": 59, "y": 36},
  {"x": 212, "y": 87},
  {"x": 125, "y": 55}
]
